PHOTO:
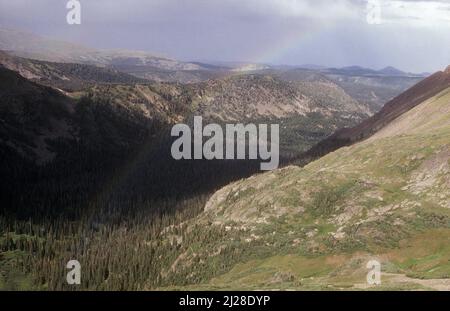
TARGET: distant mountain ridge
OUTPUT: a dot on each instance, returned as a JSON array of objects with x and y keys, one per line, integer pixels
[
  {"x": 32, "y": 46},
  {"x": 67, "y": 76},
  {"x": 361, "y": 71},
  {"x": 29, "y": 45}
]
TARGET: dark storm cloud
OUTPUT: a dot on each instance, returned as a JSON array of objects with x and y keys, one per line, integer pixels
[{"x": 413, "y": 35}]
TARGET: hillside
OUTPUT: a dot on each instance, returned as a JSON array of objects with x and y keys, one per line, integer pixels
[
  {"x": 307, "y": 111},
  {"x": 385, "y": 198},
  {"x": 67, "y": 76},
  {"x": 30, "y": 115},
  {"x": 256, "y": 96},
  {"x": 369, "y": 87},
  {"x": 425, "y": 89},
  {"x": 175, "y": 76},
  {"x": 35, "y": 117}
]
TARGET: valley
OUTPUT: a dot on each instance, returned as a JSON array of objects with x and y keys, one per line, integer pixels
[{"x": 85, "y": 143}]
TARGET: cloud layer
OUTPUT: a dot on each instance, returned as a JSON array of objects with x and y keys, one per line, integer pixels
[{"x": 413, "y": 35}]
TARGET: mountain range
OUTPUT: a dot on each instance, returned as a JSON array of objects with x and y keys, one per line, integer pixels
[
  {"x": 252, "y": 97},
  {"x": 339, "y": 97}
]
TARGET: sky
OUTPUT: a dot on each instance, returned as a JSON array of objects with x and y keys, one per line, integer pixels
[{"x": 411, "y": 35}]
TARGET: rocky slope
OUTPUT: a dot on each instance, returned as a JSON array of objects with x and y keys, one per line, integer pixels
[
  {"x": 307, "y": 111},
  {"x": 257, "y": 96},
  {"x": 369, "y": 87}
]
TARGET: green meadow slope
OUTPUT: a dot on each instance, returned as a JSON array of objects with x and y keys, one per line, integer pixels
[{"x": 386, "y": 198}]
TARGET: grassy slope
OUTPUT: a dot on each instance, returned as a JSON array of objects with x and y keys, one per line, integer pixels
[{"x": 316, "y": 227}]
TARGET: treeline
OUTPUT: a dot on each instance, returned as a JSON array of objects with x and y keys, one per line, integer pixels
[{"x": 104, "y": 200}]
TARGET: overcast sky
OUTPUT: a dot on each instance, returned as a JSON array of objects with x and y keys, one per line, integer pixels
[{"x": 413, "y": 35}]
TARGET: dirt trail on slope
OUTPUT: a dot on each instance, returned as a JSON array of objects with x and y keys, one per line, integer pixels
[
  {"x": 436, "y": 284},
  {"x": 396, "y": 279}
]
